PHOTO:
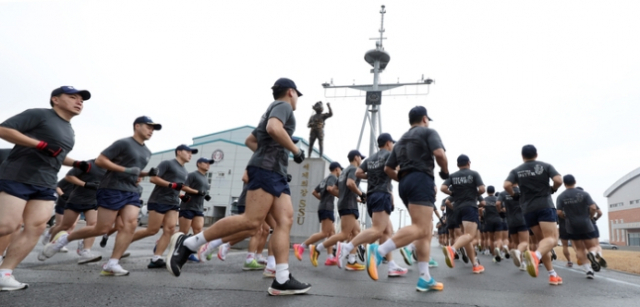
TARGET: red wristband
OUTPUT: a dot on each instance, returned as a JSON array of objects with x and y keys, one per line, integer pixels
[{"x": 42, "y": 145}]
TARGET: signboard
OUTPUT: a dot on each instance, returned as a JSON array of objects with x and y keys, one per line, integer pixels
[
  {"x": 304, "y": 179},
  {"x": 374, "y": 98}
]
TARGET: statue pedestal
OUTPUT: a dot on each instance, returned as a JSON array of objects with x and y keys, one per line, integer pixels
[{"x": 305, "y": 178}]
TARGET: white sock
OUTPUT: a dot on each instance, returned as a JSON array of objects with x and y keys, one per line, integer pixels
[
  {"x": 506, "y": 248},
  {"x": 423, "y": 267},
  {"x": 352, "y": 258},
  {"x": 6, "y": 272},
  {"x": 320, "y": 247},
  {"x": 271, "y": 262},
  {"x": 347, "y": 248},
  {"x": 194, "y": 242},
  {"x": 112, "y": 262},
  {"x": 215, "y": 243},
  {"x": 386, "y": 247},
  {"x": 539, "y": 255},
  {"x": 553, "y": 273},
  {"x": 586, "y": 267},
  {"x": 282, "y": 273},
  {"x": 250, "y": 257},
  {"x": 412, "y": 247},
  {"x": 155, "y": 258},
  {"x": 392, "y": 265},
  {"x": 303, "y": 245},
  {"x": 62, "y": 241},
  {"x": 593, "y": 253}
]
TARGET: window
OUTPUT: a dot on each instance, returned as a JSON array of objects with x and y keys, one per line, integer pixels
[
  {"x": 633, "y": 239},
  {"x": 616, "y": 205}
]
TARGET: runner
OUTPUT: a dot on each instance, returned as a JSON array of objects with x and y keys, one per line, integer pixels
[
  {"x": 326, "y": 192},
  {"x": 413, "y": 154},
  {"x": 564, "y": 239},
  {"x": 28, "y": 177},
  {"x": 518, "y": 230},
  {"x": 464, "y": 186},
  {"x": 192, "y": 212},
  {"x": 117, "y": 195},
  {"x": 63, "y": 190},
  {"x": 493, "y": 224},
  {"x": 349, "y": 192},
  {"x": 268, "y": 190},
  {"x": 539, "y": 213}
]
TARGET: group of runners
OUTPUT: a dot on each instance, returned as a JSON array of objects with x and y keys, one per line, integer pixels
[{"x": 106, "y": 191}]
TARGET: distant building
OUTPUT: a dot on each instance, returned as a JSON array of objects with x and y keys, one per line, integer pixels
[{"x": 623, "y": 198}]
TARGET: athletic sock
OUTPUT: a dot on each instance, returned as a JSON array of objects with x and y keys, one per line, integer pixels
[
  {"x": 155, "y": 258},
  {"x": 6, "y": 272},
  {"x": 505, "y": 247},
  {"x": 553, "y": 273},
  {"x": 412, "y": 246},
  {"x": 112, "y": 262},
  {"x": 586, "y": 267},
  {"x": 250, "y": 257},
  {"x": 282, "y": 273},
  {"x": 194, "y": 242},
  {"x": 215, "y": 243},
  {"x": 320, "y": 247},
  {"x": 593, "y": 253},
  {"x": 539, "y": 255},
  {"x": 347, "y": 248},
  {"x": 423, "y": 267},
  {"x": 392, "y": 265},
  {"x": 352, "y": 258},
  {"x": 303, "y": 245},
  {"x": 271, "y": 262},
  {"x": 62, "y": 241},
  {"x": 386, "y": 247}
]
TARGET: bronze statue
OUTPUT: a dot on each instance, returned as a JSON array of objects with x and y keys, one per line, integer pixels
[{"x": 316, "y": 123}]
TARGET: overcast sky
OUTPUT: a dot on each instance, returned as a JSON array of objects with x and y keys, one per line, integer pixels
[{"x": 562, "y": 75}]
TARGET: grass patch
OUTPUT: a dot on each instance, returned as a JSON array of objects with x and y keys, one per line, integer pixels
[{"x": 626, "y": 261}]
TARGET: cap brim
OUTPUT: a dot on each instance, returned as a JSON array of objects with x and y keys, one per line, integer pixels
[
  {"x": 83, "y": 93},
  {"x": 429, "y": 118},
  {"x": 194, "y": 151},
  {"x": 206, "y": 161},
  {"x": 155, "y": 126},
  {"x": 299, "y": 94}
]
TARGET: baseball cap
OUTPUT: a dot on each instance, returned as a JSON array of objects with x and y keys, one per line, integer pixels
[
  {"x": 491, "y": 189},
  {"x": 66, "y": 89},
  {"x": 417, "y": 113},
  {"x": 352, "y": 154},
  {"x": 334, "y": 165},
  {"x": 204, "y": 160},
  {"x": 148, "y": 121},
  {"x": 463, "y": 160},
  {"x": 529, "y": 151},
  {"x": 384, "y": 138},
  {"x": 283, "y": 83},
  {"x": 295, "y": 139},
  {"x": 187, "y": 148},
  {"x": 569, "y": 179}
]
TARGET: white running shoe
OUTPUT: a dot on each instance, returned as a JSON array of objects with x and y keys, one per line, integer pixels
[
  {"x": 87, "y": 256},
  {"x": 113, "y": 270},
  {"x": 269, "y": 273},
  {"x": 515, "y": 255},
  {"x": 223, "y": 250},
  {"x": 9, "y": 283},
  {"x": 64, "y": 249},
  {"x": 80, "y": 247},
  {"x": 523, "y": 266},
  {"x": 398, "y": 271},
  {"x": 52, "y": 248},
  {"x": 339, "y": 255},
  {"x": 46, "y": 237}
]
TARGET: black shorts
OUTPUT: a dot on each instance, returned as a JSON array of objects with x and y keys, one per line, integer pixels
[
  {"x": 583, "y": 236},
  {"x": 468, "y": 214},
  {"x": 505, "y": 226},
  {"x": 116, "y": 199},
  {"x": 417, "y": 188},
  {"x": 326, "y": 214},
  {"x": 355, "y": 212},
  {"x": 596, "y": 231},
  {"x": 542, "y": 215},
  {"x": 493, "y": 226},
  {"x": 80, "y": 208},
  {"x": 564, "y": 235},
  {"x": 190, "y": 214},
  {"x": 241, "y": 209},
  {"x": 378, "y": 202},
  {"x": 60, "y": 206},
  {"x": 516, "y": 229},
  {"x": 162, "y": 208},
  {"x": 27, "y": 191},
  {"x": 271, "y": 182}
]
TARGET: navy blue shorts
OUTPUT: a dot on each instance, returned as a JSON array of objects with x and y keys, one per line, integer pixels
[
  {"x": 326, "y": 214},
  {"x": 583, "y": 236},
  {"x": 162, "y": 208},
  {"x": 417, "y": 188},
  {"x": 60, "y": 206},
  {"x": 504, "y": 226},
  {"x": 116, "y": 199},
  {"x": 80, "y": 208},
  {"x": 542, "y": 215},
  {"x": 378, "y": 202},
  {"x": 190, "y": 214},
  {"x": 241, "y": 209},
  {"x": 452, "y": 225},
  {"x": 355, "y": 212},
  {"x": 271, "y": 182},
  {"x": 492, "y": 226},
  {"x": 597, "y": 231},
  {"x": 564, "y": 235},
  {"x": 27, "y": 191},
  {"x": 516, "y": 229},
  {"x": 468, "y": 214}
]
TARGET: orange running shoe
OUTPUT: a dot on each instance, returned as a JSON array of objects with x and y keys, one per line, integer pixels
[
  {"x": 298, "y": 250},
  {"x": 532, "y": 263},
  {"x": 478, "y": 269},
  {"x": 555, "y": 280},
  {"x": 313, "y": 255},
  {"x": 355, "y": 267},
  {"x": 449, "y": 255},
  {"x": 331, "y": 261}
]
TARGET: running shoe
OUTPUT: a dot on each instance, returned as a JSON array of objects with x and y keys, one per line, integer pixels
[
  {"x": 269, "y": 273},
  {"x": 331, "y": 261},
  {"x": 397, "y": 271},
  {"x": 595, "y": 265},
  {"x": 407, "y": 255},
  {"x": 103, "y": 241},
  {"x": 202, "y": 253},
  {"x": 125, "y": 255},
  {"x": 477, "y": 269},
  {"x": 555, "y": 280},
  {"x": 253, "y": 266},
  {"x": 223, "y": 250},
  {"x": 9, "y": 283},
  {"x": 515, "y": 255},
  {"x": 456, "y": 256},
  {"x": 261, "y": 260},
  {"x": 373, "y": 259},
  {"x": 433, "y": 263},
  {"x": 355, "y": 267},
  {"x": 414, "y": 255},
  {"x": 80, "y": 247},
  {"x": 46, "y": 237},
  {"x": 114, "y": 270},
  {"x": 313, "y": 255},
  {"x": 449, "y": 256},
  {"x": 506, "y": 254},
  {"x": 339, "y": 257},
  {"x": 87, "y": 257},
  {"x": 64, "y": 249},
  {"x": 590, "y": 275},
  {"x": 553, "y": 255},
  {"x": 290, "y": 287},
  {"x": 523, "y": 267},
  {"x": 158, "y": 264},
  {"x": 601, "y": 261},
  {"x": 193, "y": 258},
  {"x": 178, "y": 253},
  {"x": 431, "y": 285},
  {"x": 361, "y": 252},
  {"x": 496, "y": 256},
  {"x": 569, "y": 264},
  {"x": 298, "y": 250},
  {"x": 384, "y": 260},
  {"x": 463, "y": 254},
  {"x": 52, "y": 247},
  {"x": 532, "y": 263}
]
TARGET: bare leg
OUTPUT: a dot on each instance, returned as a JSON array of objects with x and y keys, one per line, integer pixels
[
  {"x": 168, "y": 228},
  {"x": 91, "y": 218},
  {"x": 129, "y": 216},
  {"x": 35, "y": 214},
  {"x": 197, "y": 224}
]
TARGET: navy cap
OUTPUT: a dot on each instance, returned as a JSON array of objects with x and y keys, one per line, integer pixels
[
  {"x": 204, "y": 160},
  {"x": 463, "y": 160},
  {"x": 283, "y": 83},
  {"x": 491, "y": 189},
  {"x": 148, "y": 121},
  {"x": 334, "y": 165},
  {"x": 187, "y": 148},
  {"x": 384, "y": 138},
  {"x": 354, "y": 153},
  {"x": 569, "y": 179},
  {"x": 529, "y": 151},
  {"x": 295, "y": 139},
  {"x": 71, "y": 90},
  {"x": 417, "y": 113}
]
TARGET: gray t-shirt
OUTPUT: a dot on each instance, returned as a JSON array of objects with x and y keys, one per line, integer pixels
[
  {"x": 449, "y": 212},
  {"x": 533, "y": 179},
  {"x": 414, "y": 151},
  {"x": 326, "y": 199},
  {"x": 270, "y": 155},
  {"x": 463, "y": 185},
  {"x": 4, "y": 154},
  {"x": 171, "y": 171},
  {"x": 125, "y": 152},
  {"x": 515, "y": 217},
  {"x": 29, "y": 165},
  {"x": 491, "y": 214},
  {"x": 377, "y": 179},
  {"x": 347, "y": 199},
  {"x": 80, "y": 195},
  {"x": 575, "y": 205},
  {"x": 197, "y": 181}
]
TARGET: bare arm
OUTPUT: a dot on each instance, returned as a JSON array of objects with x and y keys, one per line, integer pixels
[
  {"x": 251, "y": 142},
  {"x": 482, "y": 204},
  {"x": 75, "y": 180},
  {"x": 557, "y": 182},
  {"x": 508, "y": 186},
  {"x": 105, "y": 163},
  {"x": 59, "y": 191},
  {"x": 351, "y": 185},
  {"x": 392, "y": 173},
  {"x": 330, "y": 111},
  {"x": 334, "y": 190},
  {"x": 448, "y": 203},
  {"x": 316, "y": 194},
  {"x": 481, "y": 190},
  {"x": 445, "y": 189},
  {"x": 188, "y": 189},
  {"x": 592, "y": 211},
  {"x": 361, "y": 174},
  {"x": 16, "y": 137},
  {"x": 561, "y": 214},
  {"x": 499, "y": 205},
  {"x": 276, "y": 130},
  {"x": 441, "y": 159},
  {"x": 598, "y": 214}
]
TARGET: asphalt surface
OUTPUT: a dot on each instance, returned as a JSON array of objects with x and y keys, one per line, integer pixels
[{"x": 59, "y": 281}]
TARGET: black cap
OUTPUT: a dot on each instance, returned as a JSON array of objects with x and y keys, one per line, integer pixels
[
  {"x": 148, "y": 121},
  {"x": 284, "y": 83},
  {"x": 354, "y": 153},
  {"x": 580, "y": 188},
  {"x": 66, "y": 89},
  {"x": 295, "y": 139},
  {"x": 334, "y": 165},
  {"x": 529, "y": 151},
  {"x": 384, "y": 138},
  {"x": 491, "y": 189},
  {"x": 463, "y": 160},
  {"x": 417, "y": 113},
  {"x": 569, "y": 180},
  {"x": 187, "y": 148},
  {"x": 204, "y": 160}
]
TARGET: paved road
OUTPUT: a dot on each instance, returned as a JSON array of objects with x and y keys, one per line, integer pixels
[{"x": 61, "y": 282}]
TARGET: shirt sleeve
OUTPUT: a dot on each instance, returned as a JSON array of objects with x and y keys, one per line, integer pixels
[
  {"x": 331, "y": 181},
  {"x": 433, "y": 140},
  {"x": 478, "y": 179},
  {"x": 318, "y": 188},
  {"x": 559, "y": 202},
  {"x": 24, "y": 121},
  {"x": 392, "y": 161},
  {"x": 447, "y": 182},
  {"x": 513, "y": 177},
  {"x": 363, "y": 166},
  {"x": 75, "y": 172},
  {"x": 191, "y": 179},
  {"x": 282, "y": 112},
  {"x": 552, "y": 171},
  {"x": 114, "y": 150},
  {"x": 352, "y": 174},
  {"x": 163, "y": 167},
  {"x": 590, "y": 200}
]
